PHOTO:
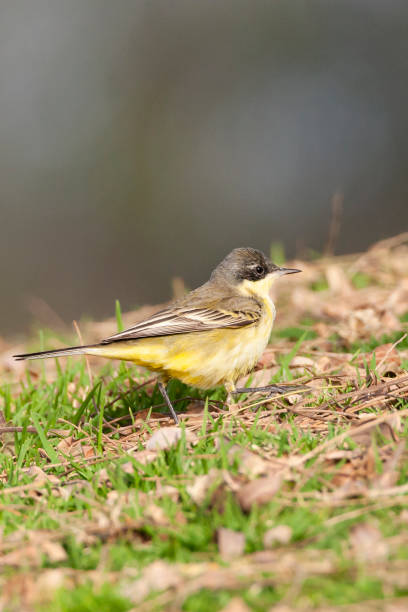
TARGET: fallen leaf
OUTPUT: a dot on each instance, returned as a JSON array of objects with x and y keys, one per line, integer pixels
[
  {"x": 88, "y": 451},
  {"x": 156, "y": 514},
  {"x": 164, "y": 438},
  {"x": 396, "y": 606},
  {"x": 322, "y": 330},
  {"x": 403, "y": 517},
  {"x": 102, "y": 477},
  {"x": 301, "y": 361},
  {"x": 64, "y": 446},
  {"x": 40, "y": 477},
  {"x": 267, "y": 359},
  {"x": 166, "y": 491},
  {"x": 281, "y": 534},
  {"x": 365, "y": 322},
  {"x": 236, "y": 604},
  {"x": 145, "y": 456},
  {"x": 249, "y": 463},
  {"x": 54, "y": 551},
  {"x": 49, "y": 581},
  {"x": 199, "y": 488},
  {"x": 294, "y": 398},
  {"x": 368, "y": 543},
  {"x": 128, "y": 467},
  {"x": 259, "y": 491},
  {"x": 230, "y": 543},
  {"x": 158, "y": 576},
  {"x": 23, "y": 556}
]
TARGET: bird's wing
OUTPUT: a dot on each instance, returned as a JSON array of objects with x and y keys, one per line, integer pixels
[{"x": 188, "y": 319}]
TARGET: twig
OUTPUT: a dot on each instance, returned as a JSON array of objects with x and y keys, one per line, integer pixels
[
  {"x": 390, "y": 349},
  {"x": 298, "y": 461},
  {"x": 29, "y": 429}
]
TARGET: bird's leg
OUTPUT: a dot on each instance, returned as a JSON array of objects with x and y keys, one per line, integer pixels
[
  {"x": 166, "y": 398},
  {"x": 270, "y": 389}
]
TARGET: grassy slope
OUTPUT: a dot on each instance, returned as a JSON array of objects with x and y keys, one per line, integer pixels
[{"x": 90, "y": 519}]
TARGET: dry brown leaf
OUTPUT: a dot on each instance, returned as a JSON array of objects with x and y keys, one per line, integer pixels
[
  {"x": 50, "y": 580},
  {"x": 156, "y": 514},
  {"x": 250, "y": 464},
  {"x": 69, "y": 489},
  {"x": 102, "y": 477},
  {"x": 128, "y": 467},
  {"x": 322, "y": 330},
  {"x": 259, "y": 491},
  {"x": 403, "y": 517},
  {"x": 365, "y": 322},
  {"x": 230, "y": 543},
  {"x": 268, "y": 359},
  {"x": 54, "y": 551},
  {"x": 88, "y": 451},
  {"x": 40, "y": 477},
  {"x": 65, "y": 445},
  {"x": 29, "y": 555},
  {"x": 332, "y": 362},
  {"x": 236, "y": 604},
  {"x": 281, "y": 534},
  {"x": 166, "y": 491},
  {"x": 199, "y": 488},
  {"x": 300, "y": 361},
  {"x": 396, "y": 606},
  {"x": 158, "y": 576},
  {"x": 294, "y": 398},
  {"x": 145, "y": 456},
  {"x": 368, "y": 543},
  {"x": 164, "y": 438}
]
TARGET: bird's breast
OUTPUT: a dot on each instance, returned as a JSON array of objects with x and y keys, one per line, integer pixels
[{"x": 209, "y": 359}]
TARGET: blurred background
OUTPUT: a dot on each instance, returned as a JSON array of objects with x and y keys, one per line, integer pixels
[{"x": 144, "y": 140}]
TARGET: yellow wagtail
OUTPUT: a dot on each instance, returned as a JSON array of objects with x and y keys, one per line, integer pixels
[{"x": 210, "y": 337}]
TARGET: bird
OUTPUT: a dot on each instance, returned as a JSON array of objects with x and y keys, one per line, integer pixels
[{"x": 210, "y": 337}]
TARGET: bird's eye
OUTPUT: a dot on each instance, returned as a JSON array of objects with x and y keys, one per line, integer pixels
[{"x": 259, "y": 270}]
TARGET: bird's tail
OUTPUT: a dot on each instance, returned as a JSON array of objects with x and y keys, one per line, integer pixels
[{"x": 73, "y": 350}]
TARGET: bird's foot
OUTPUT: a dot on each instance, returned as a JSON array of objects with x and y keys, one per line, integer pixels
[{"x": 271, "y": 389}]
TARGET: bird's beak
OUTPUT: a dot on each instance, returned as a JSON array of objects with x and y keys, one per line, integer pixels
[{"x": 282, "y": 271}]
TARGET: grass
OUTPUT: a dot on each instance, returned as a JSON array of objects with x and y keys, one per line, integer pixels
[
  {"x": 186, "y": 531},
  {"x": 91, "y": 519}
]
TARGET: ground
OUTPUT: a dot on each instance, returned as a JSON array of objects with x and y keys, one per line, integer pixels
[{"x": 282, "y": 503}]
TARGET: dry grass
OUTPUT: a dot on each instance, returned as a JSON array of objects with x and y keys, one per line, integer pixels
[{"x": 297, "y": 501}]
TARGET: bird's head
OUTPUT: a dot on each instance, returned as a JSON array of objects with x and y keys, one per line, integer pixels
[{"x": 250, "y": 271}]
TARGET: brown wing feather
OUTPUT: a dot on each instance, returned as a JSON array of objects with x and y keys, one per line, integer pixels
[{"x": 181, "y": 320}]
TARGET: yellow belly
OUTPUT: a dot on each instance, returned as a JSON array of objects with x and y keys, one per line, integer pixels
[{"x": 202, "y": 359}]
